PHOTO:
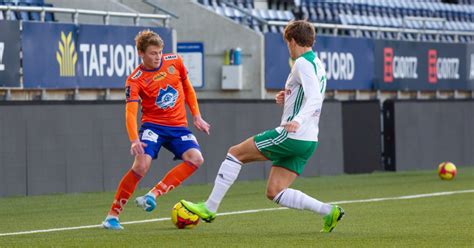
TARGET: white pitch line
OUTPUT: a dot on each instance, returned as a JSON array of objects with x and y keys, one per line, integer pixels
[{"x": 247, "y": 211}]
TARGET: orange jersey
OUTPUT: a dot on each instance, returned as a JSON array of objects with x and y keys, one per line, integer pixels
[{"x": 162, "y": 92}]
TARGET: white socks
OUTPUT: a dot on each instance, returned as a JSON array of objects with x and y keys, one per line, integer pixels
[
  {"x": 228, "y": 172},
  {"x": 298, "y": 200}
]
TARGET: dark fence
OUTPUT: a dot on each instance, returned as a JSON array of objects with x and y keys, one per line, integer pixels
[
  {"x": 63, "y": 147},
  {"x": 361, "y": 128},
  {"x": 422, "y": 134},
  {"x": 83, "y": 146}
]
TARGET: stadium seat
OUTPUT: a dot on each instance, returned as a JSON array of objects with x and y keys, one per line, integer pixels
[
  {"x": 312, "y": 12},
  {"x": 228, "y": 12},
  {"x": 289, "y": 15},
  {"x": 23, "y": 15},
  {"x": 219, "y": 10},
  {"x": 238, "y": 16},
  {"x": 320, "y": 14},
  {"x": 32, "y": 2},
  {"x": 376, "y": 13},
  {"x": 2, "y": 14},
  {"x": 358, "y": 20},
  {"x": 262, "y": 13},
  {"x": 249, "y": 4},
  {"x": 49, "y": 17},
  {"x": 11, "y": 15},
  {"x": 281, "y": 15},
  {"x": 272, "y": 15},
  {"x": 344, "y": 19}
]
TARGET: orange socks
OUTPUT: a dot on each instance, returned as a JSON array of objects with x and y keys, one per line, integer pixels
[
  {"x": 174, "y": 178},
  {"x": 124, "y": 191},
  {"x": 130, "y": 181}
]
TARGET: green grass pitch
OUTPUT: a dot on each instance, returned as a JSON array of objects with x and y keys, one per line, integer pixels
[{"x": 437, "y": 221}]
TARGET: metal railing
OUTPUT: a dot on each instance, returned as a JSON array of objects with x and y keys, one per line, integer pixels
[
  {"x": 379, "y": 30},
  {"x": 75, "y": 13},
  {"x": 246, "y": 13},
  {"x": 157, "y": 8}
]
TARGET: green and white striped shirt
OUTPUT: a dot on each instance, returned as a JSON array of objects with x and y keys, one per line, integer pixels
[{"x": 304, "y": 96}]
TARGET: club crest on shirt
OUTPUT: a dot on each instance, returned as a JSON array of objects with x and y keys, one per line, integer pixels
[
  {"x": 171, "y": 69},
  {"x": 167, "y": 97}
]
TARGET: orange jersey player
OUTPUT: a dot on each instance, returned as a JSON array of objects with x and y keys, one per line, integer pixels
[
  {"x": 160, "y": 84},
  {"x": 163, "y": 92}
]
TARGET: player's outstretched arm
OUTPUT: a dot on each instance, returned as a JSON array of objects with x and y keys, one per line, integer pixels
[
  {"x": 131, "y": 111},
  {"x": 191, "y": 101}
]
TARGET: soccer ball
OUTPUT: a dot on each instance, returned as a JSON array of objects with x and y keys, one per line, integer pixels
[
  {"x": 182, "y": 218},
  {"x": 447, "y": 170}
]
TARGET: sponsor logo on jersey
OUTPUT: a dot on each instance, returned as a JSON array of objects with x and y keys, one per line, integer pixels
[
  {"x": 317, "y": 113},
  {"x": 159, "y": 76},
  {"x": 137, "y": 74},
  {"x": 150, "y": 136},
  {"x": 189, "y": 137},
  {"x": 127, "y": 92},
  {"x": 170, "y": 57},
  {"x": 171, "y": 69},
  {"x": 167, "y": 97}
]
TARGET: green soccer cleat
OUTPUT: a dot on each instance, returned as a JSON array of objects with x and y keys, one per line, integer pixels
[
  {"x": 330, "y": 220},
  {"x": 199, "y": 209}
]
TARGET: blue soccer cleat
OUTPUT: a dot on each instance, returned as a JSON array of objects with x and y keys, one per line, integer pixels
[
  {"x": 112, "y": 223},
  {"x": 147, "y": 202}
]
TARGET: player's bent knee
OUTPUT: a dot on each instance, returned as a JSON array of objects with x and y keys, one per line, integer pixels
[
  {"x": 236, "y": 151},
  {"x": 140, "y": 168},
  {"x": 233, "y": 150},
  {"x": 196, "y": 160}
]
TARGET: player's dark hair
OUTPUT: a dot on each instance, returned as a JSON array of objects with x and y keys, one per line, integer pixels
[
  {"x": 301, "y": 31},
  {"x": 147, "y": 38}
]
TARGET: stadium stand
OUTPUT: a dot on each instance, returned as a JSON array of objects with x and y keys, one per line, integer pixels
[
  {"x": 26, "y": 15},
  {"x": 426, "y": 15},
  {"x": 374, "y": 21}
]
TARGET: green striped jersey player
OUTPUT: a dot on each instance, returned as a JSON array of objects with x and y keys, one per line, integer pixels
[
  {"x": 288, "y": 146},
  {"x": 304, "y": 96}
]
